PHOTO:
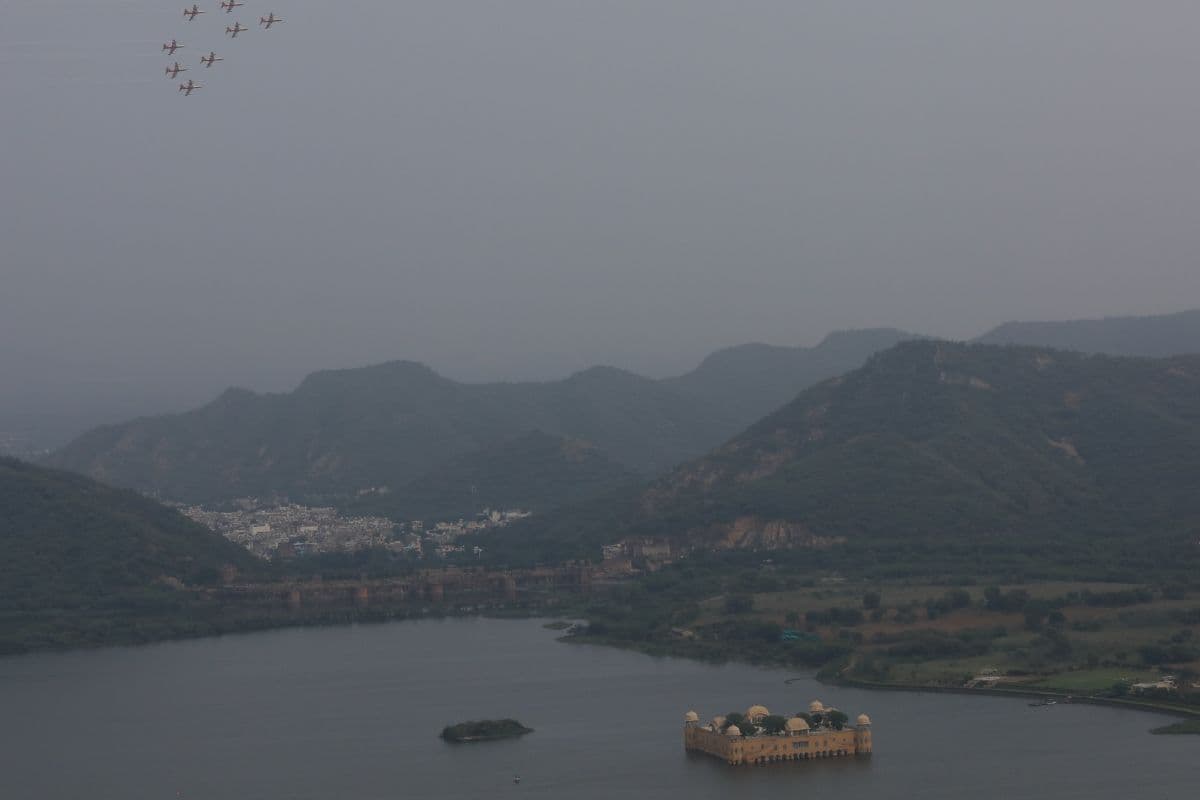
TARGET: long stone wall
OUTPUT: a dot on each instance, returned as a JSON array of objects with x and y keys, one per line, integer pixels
[{"x": 765, "y": 749}]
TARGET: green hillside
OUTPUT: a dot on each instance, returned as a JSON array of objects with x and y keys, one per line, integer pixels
[
  {"x": 389, "y": 425},
  {"x": 71, "y": 548},
  {"x": 536, "y": 472},
  {"x": 932, "y": 447},
  {"x": 1154, "y": 336}
]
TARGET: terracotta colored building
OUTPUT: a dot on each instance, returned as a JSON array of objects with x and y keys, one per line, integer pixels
[{"x": 799, "y": 741}]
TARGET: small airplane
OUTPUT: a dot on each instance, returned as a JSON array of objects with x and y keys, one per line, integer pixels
[
  {"x": 174, "y": 70},
  {"x": 210, "y": 59},
  {"x": 189, "y": 87},
  {"x": 230, "y": 5},
  {"x": 171, "y": 47},
  {"x": 236, "y": 29},
  {"x": 269, "y": 20},
  {"x": 193, "y": 12}
]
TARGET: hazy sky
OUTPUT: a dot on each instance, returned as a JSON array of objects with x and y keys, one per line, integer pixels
[{"x": 519, "y": 188}]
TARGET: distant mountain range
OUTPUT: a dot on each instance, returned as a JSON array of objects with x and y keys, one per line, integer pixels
[
  {"x": 1156, "y": 336},
  {"x": 390, "y": 425},
  {"x": 72, "y": 547},
  {"x": 936, "y": 443},
  {"x": 425, "y": 439}
]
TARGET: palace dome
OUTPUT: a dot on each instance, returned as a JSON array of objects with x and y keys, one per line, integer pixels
[
  {"x": 755, "y": 713},
  {"x": 816, "y": 707},
  {"x": 718, "y": 722},
  {"x": 733, "y": 730},
  {"x": 797, "y": 724},
  {"x": 863, "y": 719},
  {"x": 691, "y": 716}
]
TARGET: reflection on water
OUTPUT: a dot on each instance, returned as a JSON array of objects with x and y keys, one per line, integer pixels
[{"x": 353, "y": 713}]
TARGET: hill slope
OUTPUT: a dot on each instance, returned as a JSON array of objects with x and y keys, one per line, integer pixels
[
  {"x": 535, "y": 472},
  {"x": 70, "y": 547},
  {"x": 342, "y": 431},
  {"x": 934, "y": 442},
  {"x": 1154, "y": 336}
]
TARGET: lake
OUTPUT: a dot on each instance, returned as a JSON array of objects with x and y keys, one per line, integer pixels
[{"x": 353, "y": 713}]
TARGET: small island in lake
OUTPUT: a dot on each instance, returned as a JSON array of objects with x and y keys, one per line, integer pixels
[{"x": 484, "y": 730}]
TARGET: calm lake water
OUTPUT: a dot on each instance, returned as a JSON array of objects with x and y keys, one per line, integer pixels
[{"x": 353, "y": 714}]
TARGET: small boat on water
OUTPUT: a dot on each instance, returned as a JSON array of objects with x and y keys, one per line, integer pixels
[{"x": 1044, "y": 703}]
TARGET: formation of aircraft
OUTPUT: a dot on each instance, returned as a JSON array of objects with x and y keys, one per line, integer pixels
[{"x": 232, "y": 31}]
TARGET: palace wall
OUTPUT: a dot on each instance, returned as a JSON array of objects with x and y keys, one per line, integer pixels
[{"x": 784, "y": 747}]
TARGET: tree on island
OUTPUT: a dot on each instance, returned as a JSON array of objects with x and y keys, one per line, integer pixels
[
  {"x": 484, "y": 730},
  {"x": 736, "y": 718},
  {"x": 835, "y": 719},
  {"x": 773, "y": 724}
]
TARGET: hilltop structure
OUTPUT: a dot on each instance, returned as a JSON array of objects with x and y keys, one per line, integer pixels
[{"x": 758, "y": 737}]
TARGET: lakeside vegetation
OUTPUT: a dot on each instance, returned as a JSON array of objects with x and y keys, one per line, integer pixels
[
  {"x": 484, "y": 730},
  {"x": 1057, "y": 638},
  {"x": 1187, "y": 726}
]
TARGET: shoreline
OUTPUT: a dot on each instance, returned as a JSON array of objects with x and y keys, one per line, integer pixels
[
  {"x": 1183, "y": 712},
  {"x": 656, "y": 649},
  {"x": 661, "y": 650}
]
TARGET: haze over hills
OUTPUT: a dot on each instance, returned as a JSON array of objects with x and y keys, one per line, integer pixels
[
  {"x": 1155, "y": 336},
  {"x": 938, "y": 442},
  {"x": 72, "y": 547},
  {"x": 387, "y": 425}
]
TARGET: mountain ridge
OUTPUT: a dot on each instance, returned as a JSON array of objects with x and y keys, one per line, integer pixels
[
  {"x": 391, "y": 423},
  {"x": 1154, "y": 336},
  {"x": 940, "y": 443}
]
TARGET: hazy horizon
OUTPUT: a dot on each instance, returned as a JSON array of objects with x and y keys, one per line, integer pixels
[{"x": 521, "y": 190}]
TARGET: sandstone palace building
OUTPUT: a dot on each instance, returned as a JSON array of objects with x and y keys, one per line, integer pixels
[{"x": 759, "y": 737}]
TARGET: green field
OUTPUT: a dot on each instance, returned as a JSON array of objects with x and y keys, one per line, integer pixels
[{"x": 1087, "y": 681}]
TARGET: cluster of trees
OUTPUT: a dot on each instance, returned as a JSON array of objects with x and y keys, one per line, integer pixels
[
  {"x": 1179, "y": 648},
  {"x": 848, "y": 617},
  {"x": 774, "y": 724}
]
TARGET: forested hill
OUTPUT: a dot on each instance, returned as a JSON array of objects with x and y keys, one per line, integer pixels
[
  {"x": 389, "y": 425},
  {"x": 939, "y": 442},
  {"x": 1155, "y": 336},
  {"x": 67, "y": 542},
  {"x": 536, "y": 472}
]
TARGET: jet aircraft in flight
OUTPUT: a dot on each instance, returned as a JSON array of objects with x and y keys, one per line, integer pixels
[
  {"x": 230, "y": 5},
  {"x": 236, "y": 29},
  {"x": 193, "y": 12},
  {"x": 171, "y": 47},
  {"x": 210, "y": 59},
  {"x": 268, "y": 21},
  {"x": 174, "y": 70},
  {"x": 189, "y": 87}
]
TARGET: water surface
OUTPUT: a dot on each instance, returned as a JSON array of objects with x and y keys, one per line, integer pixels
[{"x": 353, "y": 714}]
